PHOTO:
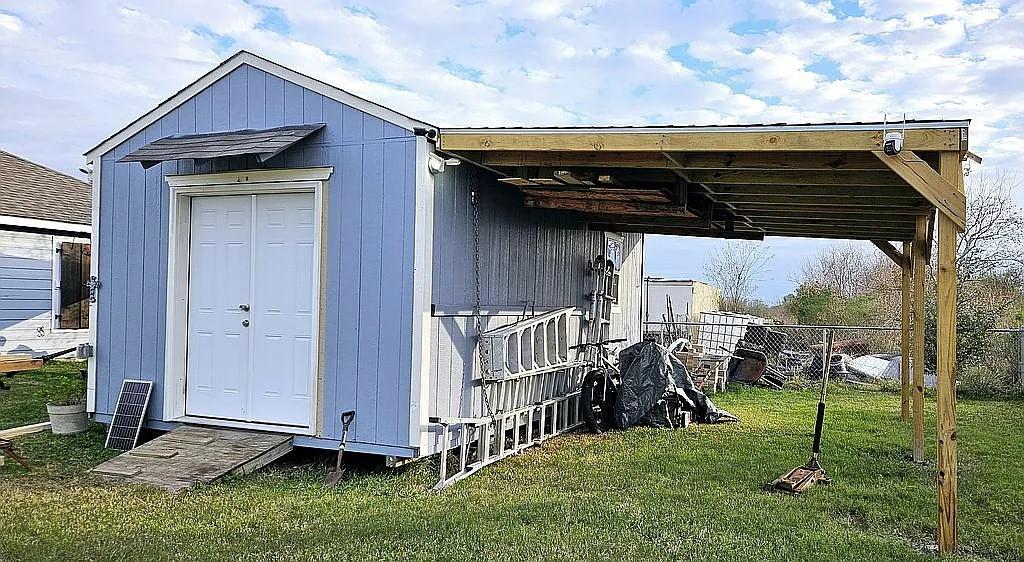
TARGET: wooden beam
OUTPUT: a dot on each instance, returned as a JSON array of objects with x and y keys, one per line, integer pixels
[
  {"x": 934, "y": 187},
  {"x": 945, "y": 361},
  {"x": 905, "y": 296},
  {"x": 826, "y": 161},
  {"x": 911, "y": 205},
  {"x": 870, "y": 192},
  {"x": 697, "y": 140},
  {"x": 893, "y": 254},
  {"x": 647, "y": 220},
  {"x": 831, "y": 234},
  {"x": 602, "y": 193},
  {"x": 931, "y": 236},
  {"x": 607, "y": 207},
  {"x": 917, "y": 364},
  {"x": 590, "y": 159},
  {"x": 24, "y": 430},
  {"x": 786, "y": 177},
  {"x": 879, "y": 214},
  {"x": 676, "y": 231},
  {"x": 883, "y": 222}
]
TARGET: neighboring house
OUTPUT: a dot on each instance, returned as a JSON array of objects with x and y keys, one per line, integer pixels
[
  {"x": 689, "y": 299},
  {"x": 44, "y": 258},
  {"x": 272, "y": 251}
]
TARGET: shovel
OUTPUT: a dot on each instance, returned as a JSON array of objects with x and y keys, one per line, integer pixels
[{"x": 338, "y": 473}]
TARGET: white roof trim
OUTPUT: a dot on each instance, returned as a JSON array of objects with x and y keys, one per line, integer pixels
[
  {"x": 640, "y": 130},
  {"x": 22, "y": 222},
  {"x": 235, "y": 61}
]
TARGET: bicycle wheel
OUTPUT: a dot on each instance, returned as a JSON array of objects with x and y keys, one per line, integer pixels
[{"x": 597, "y": 401}]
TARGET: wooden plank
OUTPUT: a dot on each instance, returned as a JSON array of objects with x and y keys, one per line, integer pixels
[
  {"x": 17, "y": 363},
  {"x": 681, "y": 140},
  {"x": 836, "y": 161},
  {"x": 934, "y": 187},
  {"x": 589, "y": 159},
  {"x": 898, "y": 258},
  {"x": 876, "y": 215},
  {"x": 908, "y": 205},
  {"x": 945, "y": 364},
  {"x": 192, "y": 455},
  {"x": 676, "y": 231},
  {"x": 818, "y": 191},
  {"x": 787, "y": 177},
  {"x": 24, "y": 430},
  {"x": 917, "y": 363},
  {"x": 905, "y": 297},
  {"x": 603, "y": 193},
  {"x": 646, "y": 220},
  {"x": 588, "y": 206}
]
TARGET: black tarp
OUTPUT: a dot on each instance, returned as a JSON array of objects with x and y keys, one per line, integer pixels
[{"x": 655, "y": 389}]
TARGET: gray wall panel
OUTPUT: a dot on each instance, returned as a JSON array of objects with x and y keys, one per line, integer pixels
[{"x": 525, "y": 255}]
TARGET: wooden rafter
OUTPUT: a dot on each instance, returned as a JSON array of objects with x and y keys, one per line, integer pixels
[
  {"x": 876, "y": 192},
  {"x": 787, "y": 177},
  {"x": 678, "y": 231},
  {"x": 929, "y": 183},
  {"x": 604, "y": 193},
  {"x": 607, "y": 207},
  {"x": 829, "y": 161}
]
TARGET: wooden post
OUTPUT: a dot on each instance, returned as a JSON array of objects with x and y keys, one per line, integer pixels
[
  {"x": 905, "y": 333},
  {"x": 917, "y": 363},
  {"x": 945, "y": 338}
]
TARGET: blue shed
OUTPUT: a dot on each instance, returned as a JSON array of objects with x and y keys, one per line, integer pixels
[{"x": 271, "y": 251}]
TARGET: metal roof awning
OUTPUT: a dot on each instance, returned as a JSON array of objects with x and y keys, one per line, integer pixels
[{"x": 264, "y": 143}]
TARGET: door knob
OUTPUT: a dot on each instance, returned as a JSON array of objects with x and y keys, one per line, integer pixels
[
  {"x": 243, "y": 307},
  {"x": 245, "y": 323}
]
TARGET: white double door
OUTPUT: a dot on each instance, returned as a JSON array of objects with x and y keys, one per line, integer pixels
[{"x": 250, "y": 308}]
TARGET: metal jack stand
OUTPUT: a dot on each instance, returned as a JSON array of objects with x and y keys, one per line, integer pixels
[{"x": 804, "y": 477}]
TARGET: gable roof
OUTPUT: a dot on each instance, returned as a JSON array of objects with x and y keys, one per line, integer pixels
[
  {"x": 270, "y": 67},
  {"x": 33, "y": 191}
]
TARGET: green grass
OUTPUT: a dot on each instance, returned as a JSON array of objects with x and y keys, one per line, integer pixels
[
  {"x": 25, "y": 402},
  {"x": 640, "y": 494}
]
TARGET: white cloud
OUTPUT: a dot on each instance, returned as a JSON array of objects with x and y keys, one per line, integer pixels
[{"x": 73, "y": 72}]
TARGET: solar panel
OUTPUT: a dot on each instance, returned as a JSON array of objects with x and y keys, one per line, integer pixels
[{"x": 131, "y": 410}]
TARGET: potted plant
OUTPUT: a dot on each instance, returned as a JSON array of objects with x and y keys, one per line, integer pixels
[{"x": 66, "y": 408}]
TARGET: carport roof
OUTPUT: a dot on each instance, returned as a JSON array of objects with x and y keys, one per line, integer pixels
[{"x": 823, "y": 180}]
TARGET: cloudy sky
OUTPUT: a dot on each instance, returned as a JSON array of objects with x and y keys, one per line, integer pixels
[{"x": 73, "y": 72}]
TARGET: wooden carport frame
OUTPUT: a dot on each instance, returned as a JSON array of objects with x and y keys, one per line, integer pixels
[{"x": 816, "y": 180}]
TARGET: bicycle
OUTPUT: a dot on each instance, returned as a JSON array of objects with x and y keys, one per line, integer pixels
[{"x": 600, "y": 387}]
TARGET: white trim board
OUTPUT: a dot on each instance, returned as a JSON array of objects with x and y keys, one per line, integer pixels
[
  {"x": 422, "y": 275},
  {"x": 183, "y": 189},
  {"x": 233, "y": 62},
  {"x": 69, "y": 227},
  {"x": 94, "y": 272}
]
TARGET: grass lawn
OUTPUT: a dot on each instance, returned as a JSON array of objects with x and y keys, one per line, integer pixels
[{"x": 642, "y": 494}]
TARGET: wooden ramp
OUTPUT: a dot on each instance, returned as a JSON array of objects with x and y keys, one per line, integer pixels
[{"x": 192, "y": 455}]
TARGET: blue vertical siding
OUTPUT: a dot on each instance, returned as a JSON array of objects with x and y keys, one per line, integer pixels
[{"x": 368, "y": 239}]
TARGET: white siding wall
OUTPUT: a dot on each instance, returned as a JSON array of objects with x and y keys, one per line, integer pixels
[{"x": 27, "y": 289}]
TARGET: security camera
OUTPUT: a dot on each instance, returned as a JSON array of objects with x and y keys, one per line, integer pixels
[{"x": 892, "y": 143}]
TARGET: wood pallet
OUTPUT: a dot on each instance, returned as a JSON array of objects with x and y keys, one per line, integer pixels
[{"x": 191, "y": 455}]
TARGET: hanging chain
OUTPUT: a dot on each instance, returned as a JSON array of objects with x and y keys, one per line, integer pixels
[{"x": 474, "y": 199}]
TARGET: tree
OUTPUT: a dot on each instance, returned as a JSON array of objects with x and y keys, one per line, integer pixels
[{"x": 737, "y": 269}]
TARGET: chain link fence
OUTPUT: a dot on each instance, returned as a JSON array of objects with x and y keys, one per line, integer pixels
[{"x": 860, "y": 354}]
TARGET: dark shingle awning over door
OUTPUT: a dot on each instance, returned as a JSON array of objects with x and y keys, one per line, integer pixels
[{"x": 264, "y": 143}]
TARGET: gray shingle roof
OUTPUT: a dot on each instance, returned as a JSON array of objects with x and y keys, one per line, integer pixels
[{"x": 32, "y": 191}]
